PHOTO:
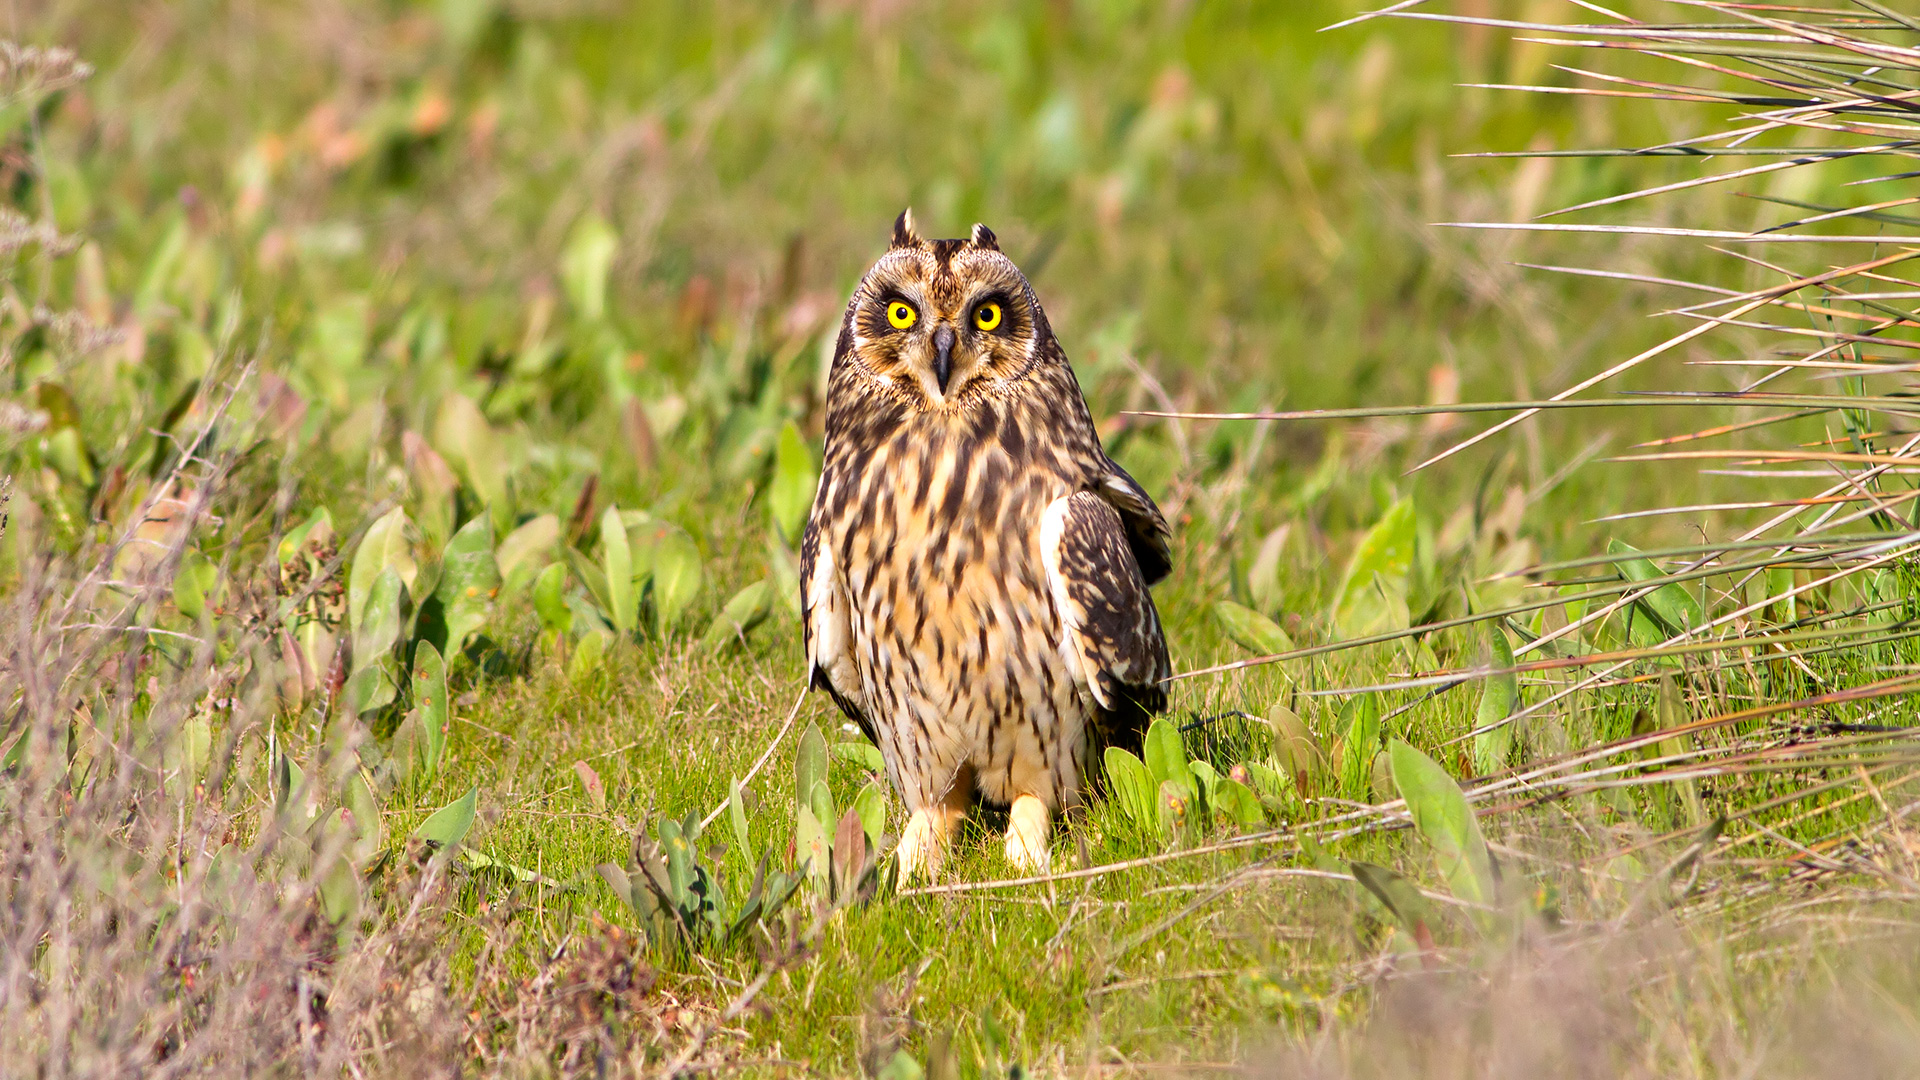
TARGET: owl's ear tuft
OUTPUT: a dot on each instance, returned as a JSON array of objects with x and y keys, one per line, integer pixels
[
  {"x": 983, "y": 238},
  {"x": 903, "y": 231}
]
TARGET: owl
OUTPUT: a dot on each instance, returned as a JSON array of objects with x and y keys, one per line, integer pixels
[{"x": 974, "y": 570}]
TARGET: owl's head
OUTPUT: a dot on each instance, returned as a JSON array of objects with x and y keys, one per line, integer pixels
[{"x": 941, "y": 321}]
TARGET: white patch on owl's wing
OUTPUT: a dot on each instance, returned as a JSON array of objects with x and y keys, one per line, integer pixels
[
  {"x": 828, "y": 631},
  {"x": 1110, "y": 632}
]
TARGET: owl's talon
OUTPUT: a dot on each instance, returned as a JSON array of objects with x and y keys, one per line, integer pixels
[{"x": 1027, "y": 825}]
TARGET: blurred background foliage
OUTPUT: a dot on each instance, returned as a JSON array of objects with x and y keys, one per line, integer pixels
[{"x": 625, "y": 232}]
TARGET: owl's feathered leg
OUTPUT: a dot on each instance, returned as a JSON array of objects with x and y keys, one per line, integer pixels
[
  {"x": 1028, "y": 822},
  {"x": 923, "y": 844}
]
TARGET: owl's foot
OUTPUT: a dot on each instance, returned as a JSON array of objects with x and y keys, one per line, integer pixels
[
  {"x": 1027, "y": 825},
  {"x": 923, "y": 844}
]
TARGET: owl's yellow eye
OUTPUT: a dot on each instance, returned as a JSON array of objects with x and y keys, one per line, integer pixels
[
  {"x": 987, "y": 316},
  {"x": 901, "y": 314}
]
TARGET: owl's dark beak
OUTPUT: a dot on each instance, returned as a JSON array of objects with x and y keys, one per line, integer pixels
[{"x": 943, "y": 355}]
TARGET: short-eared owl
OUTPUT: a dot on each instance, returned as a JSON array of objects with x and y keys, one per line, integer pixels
[{"x": 974, "y": 573}]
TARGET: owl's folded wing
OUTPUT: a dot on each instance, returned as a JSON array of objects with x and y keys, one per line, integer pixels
[
  {"x": 825, "y": 630},
  {"x": 1146, "y": 530},
  {"x": 1109, "y": 622}
]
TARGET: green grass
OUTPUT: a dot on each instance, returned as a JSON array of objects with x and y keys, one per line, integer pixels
[{"x": 383, "y": 207}]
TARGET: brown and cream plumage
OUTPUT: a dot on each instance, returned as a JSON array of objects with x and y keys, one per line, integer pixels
[{"x": 974, "y": 572}]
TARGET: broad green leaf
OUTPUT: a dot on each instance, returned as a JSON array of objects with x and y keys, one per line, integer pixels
[
  {"x": 339, "y": 890},
  {"x": 193, "y": 581},
  {"x": 1372, "y": 597},
  {"x": 862, "y": 753},
  {"x": 588, "y": 654},
  {"x": 550, "y": 600},
  {"x": 871, "y": 805},
  {"x": 1671, "y": 604},
  {"x": 809, "y": 763},
  {"x": 790, "y": 496},
  {"x": 1401, "y": 899},
  {"x": 1497, "y": 700},
  {"x": 784, "y": 572},
  {"x": 317, "y": 529},
  {"x": 1204, "y": 782},
  {"x": 737, "y": 817},
  {"x": 449, "y": 824},
  {"x": 1236, "y": 802},
  {"x": 372, "y": 683},
  {"x": 479, "y": 861},
  {"x": 526, "y": 548},
  {"x": 1166, "y": 756},
  {"x": 1295, "y": 750},
  {"x": 1442, "y": 816},
  {"x": 469, "y": 580},
  {"x": 747, "y": 610},
  {"x": 462, "y": 434},
  {"x": 1251, "y": 630},
  {"x": 584, "y": 264},
  {"x": 383, "y": 547},
  {"x": 594, "y": 576},
  {"x": 188, "y": 751},
  {"x": 1133, "y": 788},
  {"x": 1178, "y": 810},
  {"x": 430, "y": 704},
  {"x": 1263, "y": 577},
  {"x": 1267, "y": 782},
  {"x": 676, "y": 577},
  {"x": 617, "y": 565},
  {"x": 1359, "y": 742},
  {"x": 361, "y": 815}
]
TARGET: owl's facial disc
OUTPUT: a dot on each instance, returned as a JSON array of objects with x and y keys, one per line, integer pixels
[{"x": 935, "y": 318}]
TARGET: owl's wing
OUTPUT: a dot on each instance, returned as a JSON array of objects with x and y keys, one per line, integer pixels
[
  {"x": 825, "y": 630},
  {"x": 1147, "y": 532},
  {"x": 1109, "y": 622}
]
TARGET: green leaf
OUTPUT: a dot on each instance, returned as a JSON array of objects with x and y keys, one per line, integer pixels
[
  {"x": 317, "y": 528},
  {"x": 1166, "y": 756},
  {"x": 1359, "y": 742},
  {"x": 372, "y": 684},
  {"x": 1442, "y": 816},
  {"x": 584, "y": 265},
  {"x": 449, "y": 824},
  {"x": 525, "y": 548},
  {"x": 1399, "y": 895},
  {"x": 862, "y": 753},
  {"x": 676, "y": 577},
  {"x": 1372, "y": 597},
  {"x": 430, "y": 705},
  {"x": 594, "y": 577},
  {"x": 1671, "y": 604},
  {"x": 1236, "y": 802},
  {"x": 550, "y": 599},
  {"x": 462, "y": 434},
  {"x": 617, "y": 563},
  {"x": 809, "y": 763},
  {"x": 194, "y": 580},
  {"x": 339, "y": 891},
  {"x": 384, "y": 547},
  {"x": 1133, "y": 788},
  {"x": 790, "y": 496},
  {"x": 747, "y": 610},
  {"x": 1295, "y": 750},
  {"x": 737, "y": 817},
  {"x": 1497, "y": 700},
  {"x": 1268, "y": 783},
  {"x": 871, "y": 805},
  {"x": 469, "y": 580},
  {"x": 1251, "y": 630},
  {"x": 588, "y": 655}
]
